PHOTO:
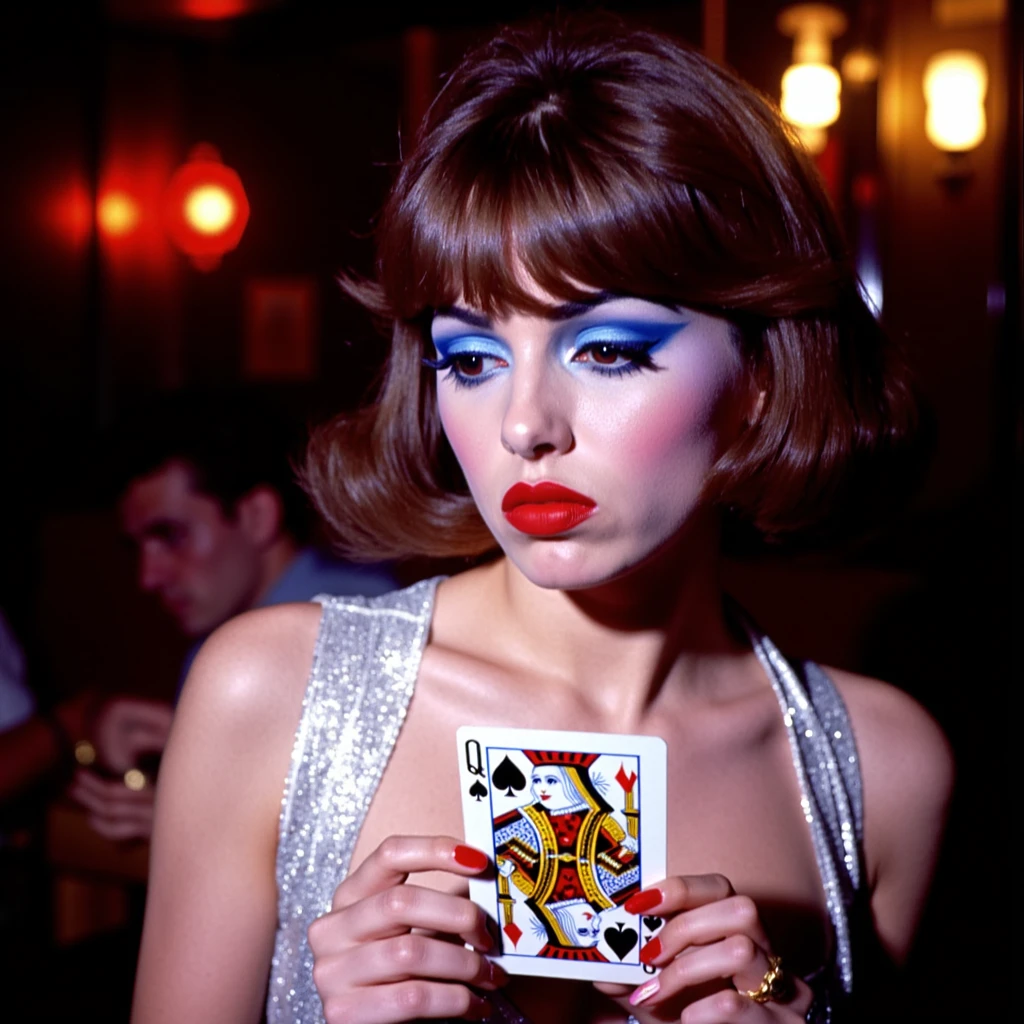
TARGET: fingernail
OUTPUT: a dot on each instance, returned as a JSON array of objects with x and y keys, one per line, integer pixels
[
  {"x": 642, "y": 901},
  {"x": 644, "y": 992},
  {"x": 470, "y": 858},
  {"x": 651, "y": 951},
  {"x": 499, "y": 976}
]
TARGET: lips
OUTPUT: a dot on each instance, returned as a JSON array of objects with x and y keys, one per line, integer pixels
[{"x": 545, "y": 509}]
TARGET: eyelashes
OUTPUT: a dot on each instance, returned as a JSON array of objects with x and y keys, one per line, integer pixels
[
  {"x": 467, "y": 369},
  {"x": 470, "y": 366},
  {"x": 617, "y": 358}
]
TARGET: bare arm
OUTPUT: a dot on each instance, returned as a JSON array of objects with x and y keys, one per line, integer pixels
[
  {"x": 907, "y": 768},
  {"x": 211, "y": 910}
]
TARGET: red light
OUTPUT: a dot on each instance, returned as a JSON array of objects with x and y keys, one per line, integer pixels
[
  {"x": 206, "y": 208},
  {"x": 214, "y": 10},
  {"x": 117, "y": 214},
  {"x": 69, "y": 213}
]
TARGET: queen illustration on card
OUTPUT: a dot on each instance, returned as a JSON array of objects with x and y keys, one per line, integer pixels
[{"x": 567, "y": 853}]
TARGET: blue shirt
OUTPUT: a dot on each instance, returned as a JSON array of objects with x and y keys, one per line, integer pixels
[{"x": 309, "y": 573}]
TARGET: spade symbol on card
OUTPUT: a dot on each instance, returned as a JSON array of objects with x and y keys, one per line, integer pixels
[
  {"x": 653, "y": 923},
  {"x": 478, "y": 790},
  {"x": 508, "y": 776},
  {"x": 621, "y": 940}
]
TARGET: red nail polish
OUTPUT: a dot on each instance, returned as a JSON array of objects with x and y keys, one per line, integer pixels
[
  {"x": 470, "y": 858},
  {"x": 642, "y": 901},
  {"x": 651, "y": 951}
]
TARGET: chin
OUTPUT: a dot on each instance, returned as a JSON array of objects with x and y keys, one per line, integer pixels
[
  {"x": 194, "y": 626},
  {"x": 566, "y": 564}
]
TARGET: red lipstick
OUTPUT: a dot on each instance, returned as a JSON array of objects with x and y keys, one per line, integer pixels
[{"x": 545, "y": 509}]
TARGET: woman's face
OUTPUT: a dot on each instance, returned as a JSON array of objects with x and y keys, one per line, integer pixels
[
  {"x": 585, "y": 438},
  {"x": 549, "y": 790}
]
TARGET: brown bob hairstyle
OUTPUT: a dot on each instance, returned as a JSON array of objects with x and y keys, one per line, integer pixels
[{"x": 600, "y": 157}]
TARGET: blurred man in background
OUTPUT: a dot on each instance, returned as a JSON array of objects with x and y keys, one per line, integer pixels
[{"x": 209, "y": 499}]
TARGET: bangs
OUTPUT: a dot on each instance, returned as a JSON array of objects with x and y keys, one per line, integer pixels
[
  {"x": 575, "y": 171},
  {"x": 548, "y": 213},
  {"x": 550, "y": 220}
]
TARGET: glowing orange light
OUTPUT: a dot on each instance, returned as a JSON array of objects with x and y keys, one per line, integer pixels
[
  {"x": 209, "y": 209},
  {"x": 206, "y": 208},
  {"x": 117, "y": 214}
]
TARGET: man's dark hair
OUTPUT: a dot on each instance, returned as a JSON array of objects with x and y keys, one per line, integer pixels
[{"x": 231, "y": 442}]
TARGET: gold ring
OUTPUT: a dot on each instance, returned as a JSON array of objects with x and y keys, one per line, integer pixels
[
  {"x": 774, "y": 984},
  {"x": 85, "y": 753}
]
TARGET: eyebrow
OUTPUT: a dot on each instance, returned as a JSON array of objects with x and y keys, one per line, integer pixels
[{"x": 563, "y": 311}]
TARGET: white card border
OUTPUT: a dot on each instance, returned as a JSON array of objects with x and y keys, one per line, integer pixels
[{"x": 654, "y": 803}]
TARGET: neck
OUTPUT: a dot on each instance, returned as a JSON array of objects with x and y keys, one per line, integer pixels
[
  {"x": 621, "y": 643},
  {"x": 275, "y": 559}
]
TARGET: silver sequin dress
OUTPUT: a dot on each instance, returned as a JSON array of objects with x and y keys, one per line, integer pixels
[{"x": 364, "y": 671}]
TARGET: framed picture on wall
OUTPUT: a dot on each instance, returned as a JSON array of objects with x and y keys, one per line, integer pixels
[{"x": 280, "y": 328}]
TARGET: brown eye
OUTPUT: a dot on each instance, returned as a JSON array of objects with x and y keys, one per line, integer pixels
[
  {"x": 470, "y": 365},
  {"x": 605, "y": 354}
]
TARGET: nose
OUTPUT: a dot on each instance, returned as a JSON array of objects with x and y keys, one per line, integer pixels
[
  {"x": 152, "y": 569},
  {"x": 538, "y": 419}
]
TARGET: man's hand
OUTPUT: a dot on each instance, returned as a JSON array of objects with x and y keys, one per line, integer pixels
[
  {"x": 115, "y": 811},
  {"x": 124, "y": 730}
]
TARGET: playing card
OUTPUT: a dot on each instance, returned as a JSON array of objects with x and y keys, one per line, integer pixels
[{"x": 575, "y": 824}]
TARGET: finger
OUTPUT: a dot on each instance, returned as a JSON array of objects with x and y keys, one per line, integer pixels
[
  {"x": 413, "y": 956},
  {"x": 397, "y": 910},
  {"x": 404, "y": 1001},
  {"x": 681, "y": 892},
  {"x": 736, "y": 957},
  {"x": 712, "y": 922},
  {"x": 96, "y": 793},
  {"x": 726, "y": 1007},
  {"x": 122, "y": 829},
  {"x": 393, "y": 861},
  {"x": 122, "y": 821},
  {"x": 144, "y": 737},
  {"x": 155, "y": 715}
]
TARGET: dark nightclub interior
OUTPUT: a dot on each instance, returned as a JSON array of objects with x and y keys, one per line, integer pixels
[{"x": 292, "y": 113}]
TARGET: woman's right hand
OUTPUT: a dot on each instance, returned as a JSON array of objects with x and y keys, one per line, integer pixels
[{"x": 371, "y": 968}]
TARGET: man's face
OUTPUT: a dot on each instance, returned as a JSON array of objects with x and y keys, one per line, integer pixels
[{"x": 199, "y": 561}]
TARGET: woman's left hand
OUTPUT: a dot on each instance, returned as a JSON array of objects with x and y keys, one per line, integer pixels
[{"x": 715, "y": 959}]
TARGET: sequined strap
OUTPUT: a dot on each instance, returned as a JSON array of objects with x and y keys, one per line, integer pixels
[
  {"x": 819, "y": 737},
  {"x": 365, "y": 665}
]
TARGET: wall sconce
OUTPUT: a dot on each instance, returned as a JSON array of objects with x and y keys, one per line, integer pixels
[
  {"x": 955, "y": 82},
  {"x": 205, "y": 208},
  {"x": 810, "y": 86}
]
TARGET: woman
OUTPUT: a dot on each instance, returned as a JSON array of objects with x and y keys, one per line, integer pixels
[{"x": 620, "y": 312}]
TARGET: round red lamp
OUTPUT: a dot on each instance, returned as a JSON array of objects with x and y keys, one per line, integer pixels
[{"x": 206, "y": 208}]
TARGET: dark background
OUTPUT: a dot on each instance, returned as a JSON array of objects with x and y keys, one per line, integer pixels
[{"x": 307, "y": 101}]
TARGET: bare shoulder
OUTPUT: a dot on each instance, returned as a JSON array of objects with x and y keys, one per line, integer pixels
[
  {"x": 907, "y": 769},
  {"x": 894, "y": 733},
  {"x": 211, "y": 908},
  {"x": 249, "y": 678}
]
